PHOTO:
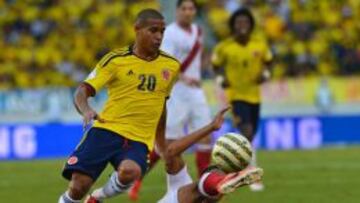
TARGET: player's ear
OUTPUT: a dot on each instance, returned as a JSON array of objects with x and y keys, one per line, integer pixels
[{"x": 138, "y": 25}]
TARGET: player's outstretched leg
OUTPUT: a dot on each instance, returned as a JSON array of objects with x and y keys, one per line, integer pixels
[
  {"x": 234, "y": 180},
  {"x": 215, "y": 183},
  {"x": 119, "y": 182}
]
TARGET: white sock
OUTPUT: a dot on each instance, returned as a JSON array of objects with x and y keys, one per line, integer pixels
[
  {"x": 65, "y": 198},
  {"x": 178, "y": 180},
  {"x": 112, "y": 188}
]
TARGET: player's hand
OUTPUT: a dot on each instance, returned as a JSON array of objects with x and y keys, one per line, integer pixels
[
  {"x": 222, "y": 81},
  {"x": 90, "y": 115},
  {"x": 219, "y": 118},
  {"x": 264, "y": 77}
]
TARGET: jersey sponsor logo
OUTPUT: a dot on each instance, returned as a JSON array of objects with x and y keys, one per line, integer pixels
[
  {"x": 165, "y": 74},
  {"x": 72, "y": 160}
]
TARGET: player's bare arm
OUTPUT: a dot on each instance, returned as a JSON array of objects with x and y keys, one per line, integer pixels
[
  {"x": 179, "y": 146},
  {"x": 83, "y": 92},
  {"x": 160, "y": 132}
]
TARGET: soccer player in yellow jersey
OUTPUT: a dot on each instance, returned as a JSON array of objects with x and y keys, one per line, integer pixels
[
  {"x": 138, "y": 79},
  {"x": 242, "y": 63}
]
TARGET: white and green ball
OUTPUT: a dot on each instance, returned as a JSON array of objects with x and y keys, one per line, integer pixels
[{"x": 232, "y": 152}]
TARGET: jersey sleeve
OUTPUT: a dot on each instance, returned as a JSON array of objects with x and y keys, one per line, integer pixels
[
  {"x": 102, "y": 74},
  {"x": 168, "y": 43},
  {"x": 217, "y": 57}
]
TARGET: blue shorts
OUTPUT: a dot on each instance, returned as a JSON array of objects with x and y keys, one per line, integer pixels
[
  {"x": 101, "y": 146},
  {"x": 246, "y": 113}
]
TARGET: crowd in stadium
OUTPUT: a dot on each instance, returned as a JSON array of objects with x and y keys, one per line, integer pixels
[
  {"x": 56, "y": 43},
  {"x": 308, "y": 37}
]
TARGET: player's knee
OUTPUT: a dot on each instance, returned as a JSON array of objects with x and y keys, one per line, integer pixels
[
  {"x": 174, "y": 164},
  {"x": 128, "y": 172},
  {"x": 169, "y": 165},
  {"x": 79, "y": 186},
  {"x": 128, "y": 175},
  {"x": 169, "y": 153},
  {"x": 168, "y": 159}
]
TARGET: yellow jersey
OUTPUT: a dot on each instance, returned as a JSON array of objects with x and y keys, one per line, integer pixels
[
  {"x": 137, "y": 92},
  {"x": 243, "y": 65}
]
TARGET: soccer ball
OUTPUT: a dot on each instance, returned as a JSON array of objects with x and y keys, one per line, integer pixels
[{"x": 232, "y": 152}]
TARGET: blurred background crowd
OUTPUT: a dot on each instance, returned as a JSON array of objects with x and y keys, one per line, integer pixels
[
  {"x": 47, "y": 43},
  {"x": 56, "y": 43}
]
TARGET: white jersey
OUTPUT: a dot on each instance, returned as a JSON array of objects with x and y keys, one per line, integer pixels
[
  {"x": 187, "y": 104},
  {"x": 179, "y": 43}
]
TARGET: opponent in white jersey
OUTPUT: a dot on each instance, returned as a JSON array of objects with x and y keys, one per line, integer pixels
[{"x": 187, "y": 106}]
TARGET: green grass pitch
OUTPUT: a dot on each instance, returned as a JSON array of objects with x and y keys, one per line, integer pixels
[{"x": 325, "y": 175}]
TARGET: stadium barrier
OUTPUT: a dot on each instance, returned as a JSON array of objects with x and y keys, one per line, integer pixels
[
  {"x": 57, "y": 140},
  {"x": 43, "y": 123},
  {"x": 322, "y": 93}
]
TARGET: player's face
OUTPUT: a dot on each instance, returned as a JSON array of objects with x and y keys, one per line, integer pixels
[
  {"x": 242, "y": 26},
  {"x": 186, "y": 12},
  {"x": 151, "y": 34}
]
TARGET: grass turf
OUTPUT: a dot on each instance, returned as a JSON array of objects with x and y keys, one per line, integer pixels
[{"x": 325, "y": 175}]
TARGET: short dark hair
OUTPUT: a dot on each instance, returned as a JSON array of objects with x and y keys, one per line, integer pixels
[
  {"x": 180, "y": 2},
  {"x": 148, "y": 13},
  {"x": 241, "y": 12}
]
